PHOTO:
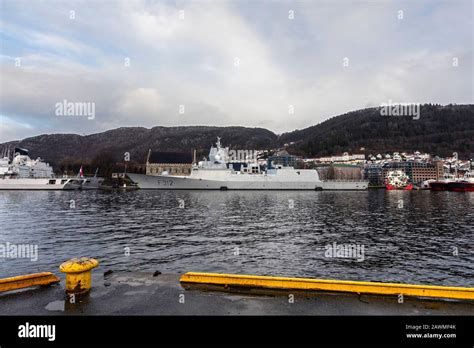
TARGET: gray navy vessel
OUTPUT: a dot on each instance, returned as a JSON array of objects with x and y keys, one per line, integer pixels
[{"x": 217, "y": 173}]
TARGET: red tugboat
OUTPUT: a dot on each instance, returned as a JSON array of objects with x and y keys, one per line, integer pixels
[
  {"x": 449, "y": 183},
  {"x": 443, "y": 184},
  {"x": 465, "y": 184},
  {"x": 398, "y": 180}
]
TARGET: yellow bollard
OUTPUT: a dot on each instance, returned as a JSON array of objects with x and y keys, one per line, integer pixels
[{"x": 78, "y": 274}]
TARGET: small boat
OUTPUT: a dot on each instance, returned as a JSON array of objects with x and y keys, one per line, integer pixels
[
  {"x": 90, "y": 183},
  {"x": 425, "y": 185}
]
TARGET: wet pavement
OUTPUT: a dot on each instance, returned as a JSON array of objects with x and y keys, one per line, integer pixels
[{"x": 145, "y": 294}]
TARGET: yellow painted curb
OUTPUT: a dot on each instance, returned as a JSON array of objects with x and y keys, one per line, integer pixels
[
  {"x": 25, "y": 281},
  {"x": 281, "y": 283}
]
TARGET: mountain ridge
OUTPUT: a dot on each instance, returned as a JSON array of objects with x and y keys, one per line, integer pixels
[{"x": 440, "y": 130}]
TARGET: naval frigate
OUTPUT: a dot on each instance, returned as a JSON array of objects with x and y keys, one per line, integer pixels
[{"x": 217, "y": 173}]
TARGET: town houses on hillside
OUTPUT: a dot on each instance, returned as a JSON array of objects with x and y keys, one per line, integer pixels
[{"x": 419, "y": 167}]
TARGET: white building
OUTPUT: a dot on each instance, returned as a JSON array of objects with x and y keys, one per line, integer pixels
[{"x": 345, "y": 158}]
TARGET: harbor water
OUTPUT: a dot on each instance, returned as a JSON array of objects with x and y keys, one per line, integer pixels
[{"x": 402, "y": 236}]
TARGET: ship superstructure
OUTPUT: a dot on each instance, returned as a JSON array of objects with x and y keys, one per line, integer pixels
[{"x": 24, "y": 173}]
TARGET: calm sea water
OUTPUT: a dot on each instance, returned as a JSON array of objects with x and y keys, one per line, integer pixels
[{"x": 407, "y": 236}]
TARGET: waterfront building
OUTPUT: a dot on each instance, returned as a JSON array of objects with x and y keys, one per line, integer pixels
[
  {"x": 339, "y": 171},
  {"x": 172, "y": 163},
  {"x": 415, "y": 170},
  {"x": 373, "y": 173}
]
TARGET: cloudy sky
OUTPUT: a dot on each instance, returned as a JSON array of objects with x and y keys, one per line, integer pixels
[{"x": 276, "y": 64}]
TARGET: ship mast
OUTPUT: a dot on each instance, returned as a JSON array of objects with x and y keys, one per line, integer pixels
[{"x": 455, "y": 155}]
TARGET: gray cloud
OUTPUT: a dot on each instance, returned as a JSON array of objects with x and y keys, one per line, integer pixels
[{"x": 227, "y": 63}]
